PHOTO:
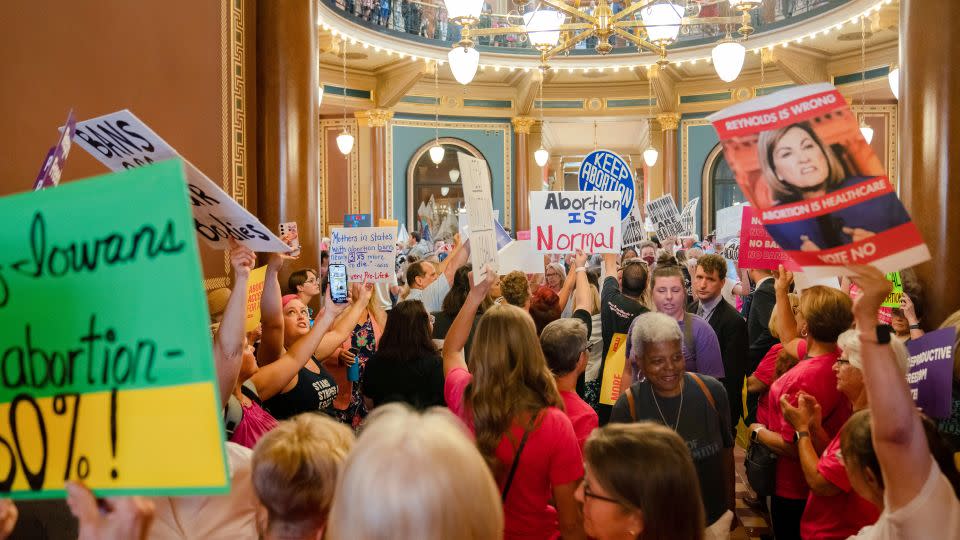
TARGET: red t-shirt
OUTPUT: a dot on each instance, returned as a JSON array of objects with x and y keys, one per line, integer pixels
[
  {"x": 839, "y": 516},
  {"x": 765, "y": 373},
  {"x": 550, "y": 458},
  {"x": 814, "y": 376},
  {"x": 581, "y": 415}
]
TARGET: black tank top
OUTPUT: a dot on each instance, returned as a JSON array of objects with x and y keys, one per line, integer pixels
[{"x": 314, "y": 392}]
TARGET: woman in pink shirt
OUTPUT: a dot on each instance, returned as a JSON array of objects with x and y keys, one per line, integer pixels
[
  {"x": 824, "y": 314},
  {"x": 511, "y": 404}
]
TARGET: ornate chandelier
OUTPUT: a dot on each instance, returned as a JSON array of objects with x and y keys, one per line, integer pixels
[{"x": 651, "y": 25}]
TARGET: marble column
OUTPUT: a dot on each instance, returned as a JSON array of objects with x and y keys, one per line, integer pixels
[
  {"x": 288, "y": 78},
  {"x": 521, "y": 171},
  {"x": 930, "y": 144},
  {"x": 668, "y": 124},
  {"x": 378, "y": 122}
]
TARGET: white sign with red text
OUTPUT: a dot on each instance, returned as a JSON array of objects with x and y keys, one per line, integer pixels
[{"x": 565, "y": 221}]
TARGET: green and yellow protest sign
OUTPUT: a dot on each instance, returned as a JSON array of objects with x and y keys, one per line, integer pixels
[
  {"x": 106, "y": 367},
  {"x": 254, "y": 293},
  {"x": 893, "y": 299}
]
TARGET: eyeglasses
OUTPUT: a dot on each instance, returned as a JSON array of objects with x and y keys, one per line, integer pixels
[
  {"x": 842, "y": 361},
  {"x": 632, "y": 261},
  {"x": 587, "y": 494}
]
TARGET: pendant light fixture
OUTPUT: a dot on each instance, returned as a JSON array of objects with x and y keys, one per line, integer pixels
[
  {"x": 541, "y": 155},
  {"x": 650, "y": 155},
  {"x": 865, "y": 129},
  {"x": 728, "y": 56},
  {"x": 454, "y": 175},
  {"x": 662, "y": 22},
  {"x": 464, "y": 60},
  {"x": 894, "y": 79},
  {"x": 436, "y": 151},
  {"x": 345, "y": 139}
]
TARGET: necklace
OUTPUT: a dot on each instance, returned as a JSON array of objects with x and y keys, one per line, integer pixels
[{"x": 679, "y": 410}]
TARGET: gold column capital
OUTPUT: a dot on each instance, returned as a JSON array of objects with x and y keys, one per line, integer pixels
[
  {"x": 668, "y": 121},
  {"x": 374, "y": 117},
  {"x": 522, "y": 124}
]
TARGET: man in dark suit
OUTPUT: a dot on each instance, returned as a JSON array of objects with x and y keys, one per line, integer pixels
[
  {"x": 731, "y": 329},
  {"x": 758, "y": 330}
]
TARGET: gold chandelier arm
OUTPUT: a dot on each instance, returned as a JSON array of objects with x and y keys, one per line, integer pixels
[
  {"x": 569, "y": 43},
  {"x": 570, "y": 10},
  {"x": 575, "y": 26},
  {"x": 636, "y": 6}
]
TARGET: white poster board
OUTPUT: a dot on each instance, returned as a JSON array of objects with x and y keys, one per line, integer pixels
[
  {"x": 520, "y": 255},
  {"x": 121, "y": 141},
  {"x": 689, "y": 217},
  {"x": 565, "y": 221},
  {"x": 633, "y": 228},
  {"x": 482, "y": 233},
  {"x": 665, "y": 217},
  {"x": 368, "y": 252},
  {"x": 728, "y": 223}
]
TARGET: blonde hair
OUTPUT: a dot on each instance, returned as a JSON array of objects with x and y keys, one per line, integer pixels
[
  {"x": 294, "y": 471},
  {"x": 780, "y": 190},
  {"x": 510, "y": 377},
  {"x": 827, "y": 311},
  {"x": 415, "y": 475}
]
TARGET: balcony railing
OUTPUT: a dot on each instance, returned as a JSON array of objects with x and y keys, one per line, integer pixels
[{"x": 426, "y": 21}]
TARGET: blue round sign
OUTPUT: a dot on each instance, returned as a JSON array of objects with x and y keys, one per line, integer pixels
[{"x": 604, "y": 170}]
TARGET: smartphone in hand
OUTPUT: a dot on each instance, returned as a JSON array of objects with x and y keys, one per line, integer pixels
[{"x": 338, "y": 283}]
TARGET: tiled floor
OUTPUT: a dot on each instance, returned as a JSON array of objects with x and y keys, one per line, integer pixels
[{"x": 753, "y": 523}]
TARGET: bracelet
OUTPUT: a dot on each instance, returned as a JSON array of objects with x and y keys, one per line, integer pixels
[
  {"x": 915, "y": 326},
  {"x": 581, "y": 269}
]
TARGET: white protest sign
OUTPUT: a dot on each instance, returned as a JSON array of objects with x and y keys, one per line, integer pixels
[
  {"x": 689, "y": 217},
  {"x": 728, "y": 223},
  {"x": 520, "y": 255},
  {"x": 368, "y": 252},
  {"x": 121, "y": 141},
  {"x": 482, "y": 232},
  {"x": 663, "y": 212},
  {"x": 632, "y": 227},
  {"x": 463, "y": 222},
  {"x": 565, "y": 221}
]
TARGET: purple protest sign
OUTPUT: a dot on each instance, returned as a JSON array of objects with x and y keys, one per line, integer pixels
[
  {"x": 931, "y": 371},
  {"x": 53, "y": 163}
]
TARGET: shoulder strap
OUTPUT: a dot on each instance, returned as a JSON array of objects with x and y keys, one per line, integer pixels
[
  {"x": 706, "y": 391},
  {"x": 688, "y": 333},
  {"x": 516, "y": 457},
  {"x": 632, "y": 401},
  {"x": 250, "y": 390}
]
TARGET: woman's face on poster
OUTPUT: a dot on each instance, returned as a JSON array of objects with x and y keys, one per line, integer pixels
[{"x": 799, "y": 161}]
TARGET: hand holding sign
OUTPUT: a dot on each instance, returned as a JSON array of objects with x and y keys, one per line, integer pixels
[
  {"x": 242, "y": 259},
  {"x": 114, "y": 519},
  {"x": 874, "y": 288}
]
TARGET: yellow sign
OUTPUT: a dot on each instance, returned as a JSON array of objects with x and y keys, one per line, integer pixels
[
  {"x": 388, "y": 223},
  {"x": 613, "y": 370},
  {"x": 254, "y": 292}
]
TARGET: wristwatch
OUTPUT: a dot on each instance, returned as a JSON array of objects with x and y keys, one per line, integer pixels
[
  {"x": 915, "y": 326},
  {"x": 797, "y": 435},
  {"x": 755, "y": 434}
]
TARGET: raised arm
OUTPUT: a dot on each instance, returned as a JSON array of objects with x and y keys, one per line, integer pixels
[
  {"x": 583, "y": 295},
  {"x": 786, "y": 322},
  {"x": 460, "y": 329},
  {"x": 609, "y": 266},
  {"x": 228, "y": 342},
  {"x": 344, "y": 324},
  {"x": 567, "y": 288},
  {"x": 456, "y": 259},
  {"x": 271, "y": 313},
  {"x": 898, "y": 436},
  {"x": 274, "y": 378}
]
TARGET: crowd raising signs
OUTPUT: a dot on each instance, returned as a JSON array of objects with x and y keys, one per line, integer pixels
[
  {"x": 820, "y": 191},
  {"x": 368, "y": 252},
  {"x": 121, "y": 141},
  {"x": 565, "y": 221},
  {"x": 118, "y": 391},
  {"x": 665, "y": 217}
]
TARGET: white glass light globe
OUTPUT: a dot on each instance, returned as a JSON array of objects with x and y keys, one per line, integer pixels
[
  {"x": 345, "y": 142},
  {"x": 463, "y": 9},
  {"x": 543, "y": 27},
  {"x": 894, "y": 79},
  {"x": 454, "y": 175},
  {"x": 463, "y": 63},
  {"x": 662, "y": 22},
  {"x": 436, "y": 154},
  {"x": 650, "y": 156},
  {"x": 444, "y": 191},
  {"x": 541, "y": 156},
  {"x": 867, "y": 132},
  {"x": 728, "y": 60}
]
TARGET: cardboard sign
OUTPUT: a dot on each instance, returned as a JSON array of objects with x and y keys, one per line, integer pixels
[
  {"x": 520, "y": 255},
  {"x": 254, "y": 294},
  {"x": 820, "y": 191},
  {"x": 610, "y": 385},
  {"x": 368, "y": 252},
  {"x": 120, "y": 391},
  {"x": 757, "y": 249},
  {"x": 688, "y": 216},
  {"x": 893, "y": 299},
  {"x": 930, "y": 372},
  {"x": 633, "y": 229},
  {"x": 729, "y": 220},
  {"x": 357, "y": 220},
  {"x": 121, "y": 141},
  {"x": 52, "y": 166},
  {"x": 565, "y": 221},
  {"x": 463, "y": 227},
  {"x": 663, "y": 213},
  {"x": 388, "y": 223},
  {"x": 523, "y": 235},
  {"x": 603, "y": 170},
  {"x": 482, "y": 233}
]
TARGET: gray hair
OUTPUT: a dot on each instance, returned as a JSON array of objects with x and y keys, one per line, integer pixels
[
  {"x": 562, "y": 342},
  {"x": 560, "y": 270},
  {"x": 849, "y": 343},
  {"x": 651, "y": 327}
]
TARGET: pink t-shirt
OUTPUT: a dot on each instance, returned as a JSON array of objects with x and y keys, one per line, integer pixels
[
  {"x": 814, "y": 376},
  {"x": 839, "y": 516},
  {"x": 765, "y": 373},
  {"x": 253, "y": 425},
  {"x": 581, "y": 415},
  {"x": 550, "y": 458}
]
